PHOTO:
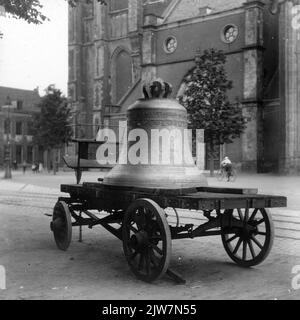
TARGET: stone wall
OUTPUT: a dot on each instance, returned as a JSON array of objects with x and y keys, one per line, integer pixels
[
  {"x": 253, "y": 79},
  {"x": 289, "y": 90},
  {"x": 185, "y": 9}
]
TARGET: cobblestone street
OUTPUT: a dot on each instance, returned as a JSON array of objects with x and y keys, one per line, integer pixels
[
  {"x": 113, "y": 116},
  {"x": 96, "y": 268}
]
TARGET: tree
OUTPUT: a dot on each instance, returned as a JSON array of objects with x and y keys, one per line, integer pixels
[
  {"x": 205, "y": 98},
  {"x": 31, "y": 10},
  {"x": 50, "y": 126}
]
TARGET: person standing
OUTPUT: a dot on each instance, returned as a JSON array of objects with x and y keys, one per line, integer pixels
[{"x": 24, "y": 166}]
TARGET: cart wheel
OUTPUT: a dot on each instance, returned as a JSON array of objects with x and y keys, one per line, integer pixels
[
  {"x": 61, "y": 225},
  {"x": 146, "y": 240},
  {"x": 250, "y": 244}
]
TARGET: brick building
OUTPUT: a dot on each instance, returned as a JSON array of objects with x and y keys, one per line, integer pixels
[
  {"x": 16, "y": 124},
  {"x": 114, "y": 48}
]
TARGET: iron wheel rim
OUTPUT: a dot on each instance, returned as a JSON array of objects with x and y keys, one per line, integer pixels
[
  {"x": 251, "y": 244},
  {"x": 62, "y": 225},
  {"x": 146, "y": 240}
]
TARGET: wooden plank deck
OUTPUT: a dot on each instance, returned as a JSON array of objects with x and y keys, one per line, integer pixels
[{"x": 193, "y": 201}]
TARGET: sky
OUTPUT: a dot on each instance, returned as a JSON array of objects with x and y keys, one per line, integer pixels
[{"x": 36, "y": 55}]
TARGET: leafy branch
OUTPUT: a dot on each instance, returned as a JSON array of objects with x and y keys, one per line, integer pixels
[{"x": 31, "y": 10}]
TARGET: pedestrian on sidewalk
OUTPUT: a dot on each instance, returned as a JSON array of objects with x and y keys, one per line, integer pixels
[
  {"x": 226, "y": 165},
  {"x": 15, "y": 165},
  {"x": 24, "y": 166},
  {"x": 41, "y": 169},
  {"x": 35, "y": 168}
]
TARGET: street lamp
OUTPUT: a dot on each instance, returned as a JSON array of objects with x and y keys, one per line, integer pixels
[{"x": 8, "y": 107}]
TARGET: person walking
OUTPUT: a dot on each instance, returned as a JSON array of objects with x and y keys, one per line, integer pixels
[
  {"x": 24, "y": 166},
  {"x": 41, "y": 169},
  {"x": 35, "y": 168},
  {"x": 226, "y": 165}
]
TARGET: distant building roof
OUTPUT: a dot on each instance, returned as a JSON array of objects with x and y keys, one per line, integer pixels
[
  {"x": 29, "y": 98},
  {"x": 156, "y": 7},
  {"x": 174, "y": 10}
]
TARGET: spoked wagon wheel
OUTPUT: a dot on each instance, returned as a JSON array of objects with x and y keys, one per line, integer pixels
[
  {"x": 146, "y": 240},
  {"x": 61, "y": 225},
  {"x": 249, "y": 236}
]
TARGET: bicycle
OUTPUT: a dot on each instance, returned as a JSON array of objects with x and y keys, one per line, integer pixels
[{"x": 229, "y": 175}]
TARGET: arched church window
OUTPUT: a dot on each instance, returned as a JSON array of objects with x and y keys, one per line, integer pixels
[
  {"x": 96, "y": 125},
  {"x": 123, "y": 74}
]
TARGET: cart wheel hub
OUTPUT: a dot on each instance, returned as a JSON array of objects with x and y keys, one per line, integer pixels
[
  {"x": 247, "y": 232},
  {"x": 139, "y": 240},
  {"x": 57, "y": 224}
]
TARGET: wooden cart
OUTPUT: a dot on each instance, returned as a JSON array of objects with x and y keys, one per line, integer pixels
[{"x": 137, "y": 217}]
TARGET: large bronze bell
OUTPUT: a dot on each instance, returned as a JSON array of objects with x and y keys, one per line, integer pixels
[{"x": 167, "y": 161}]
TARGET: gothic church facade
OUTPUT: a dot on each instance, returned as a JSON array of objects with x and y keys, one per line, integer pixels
[{"x": 114, "y": 48}]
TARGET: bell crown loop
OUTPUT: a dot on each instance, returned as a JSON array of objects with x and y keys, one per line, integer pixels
[{"x": 157, "y": 89}]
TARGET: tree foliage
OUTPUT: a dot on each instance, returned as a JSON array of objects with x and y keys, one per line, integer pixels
[
  {"x": 31, "y": 10},
  {"x": 50, "y": 126},
  {"x": 207, "y": 104},
  {"x": 205, "y": 98}
]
